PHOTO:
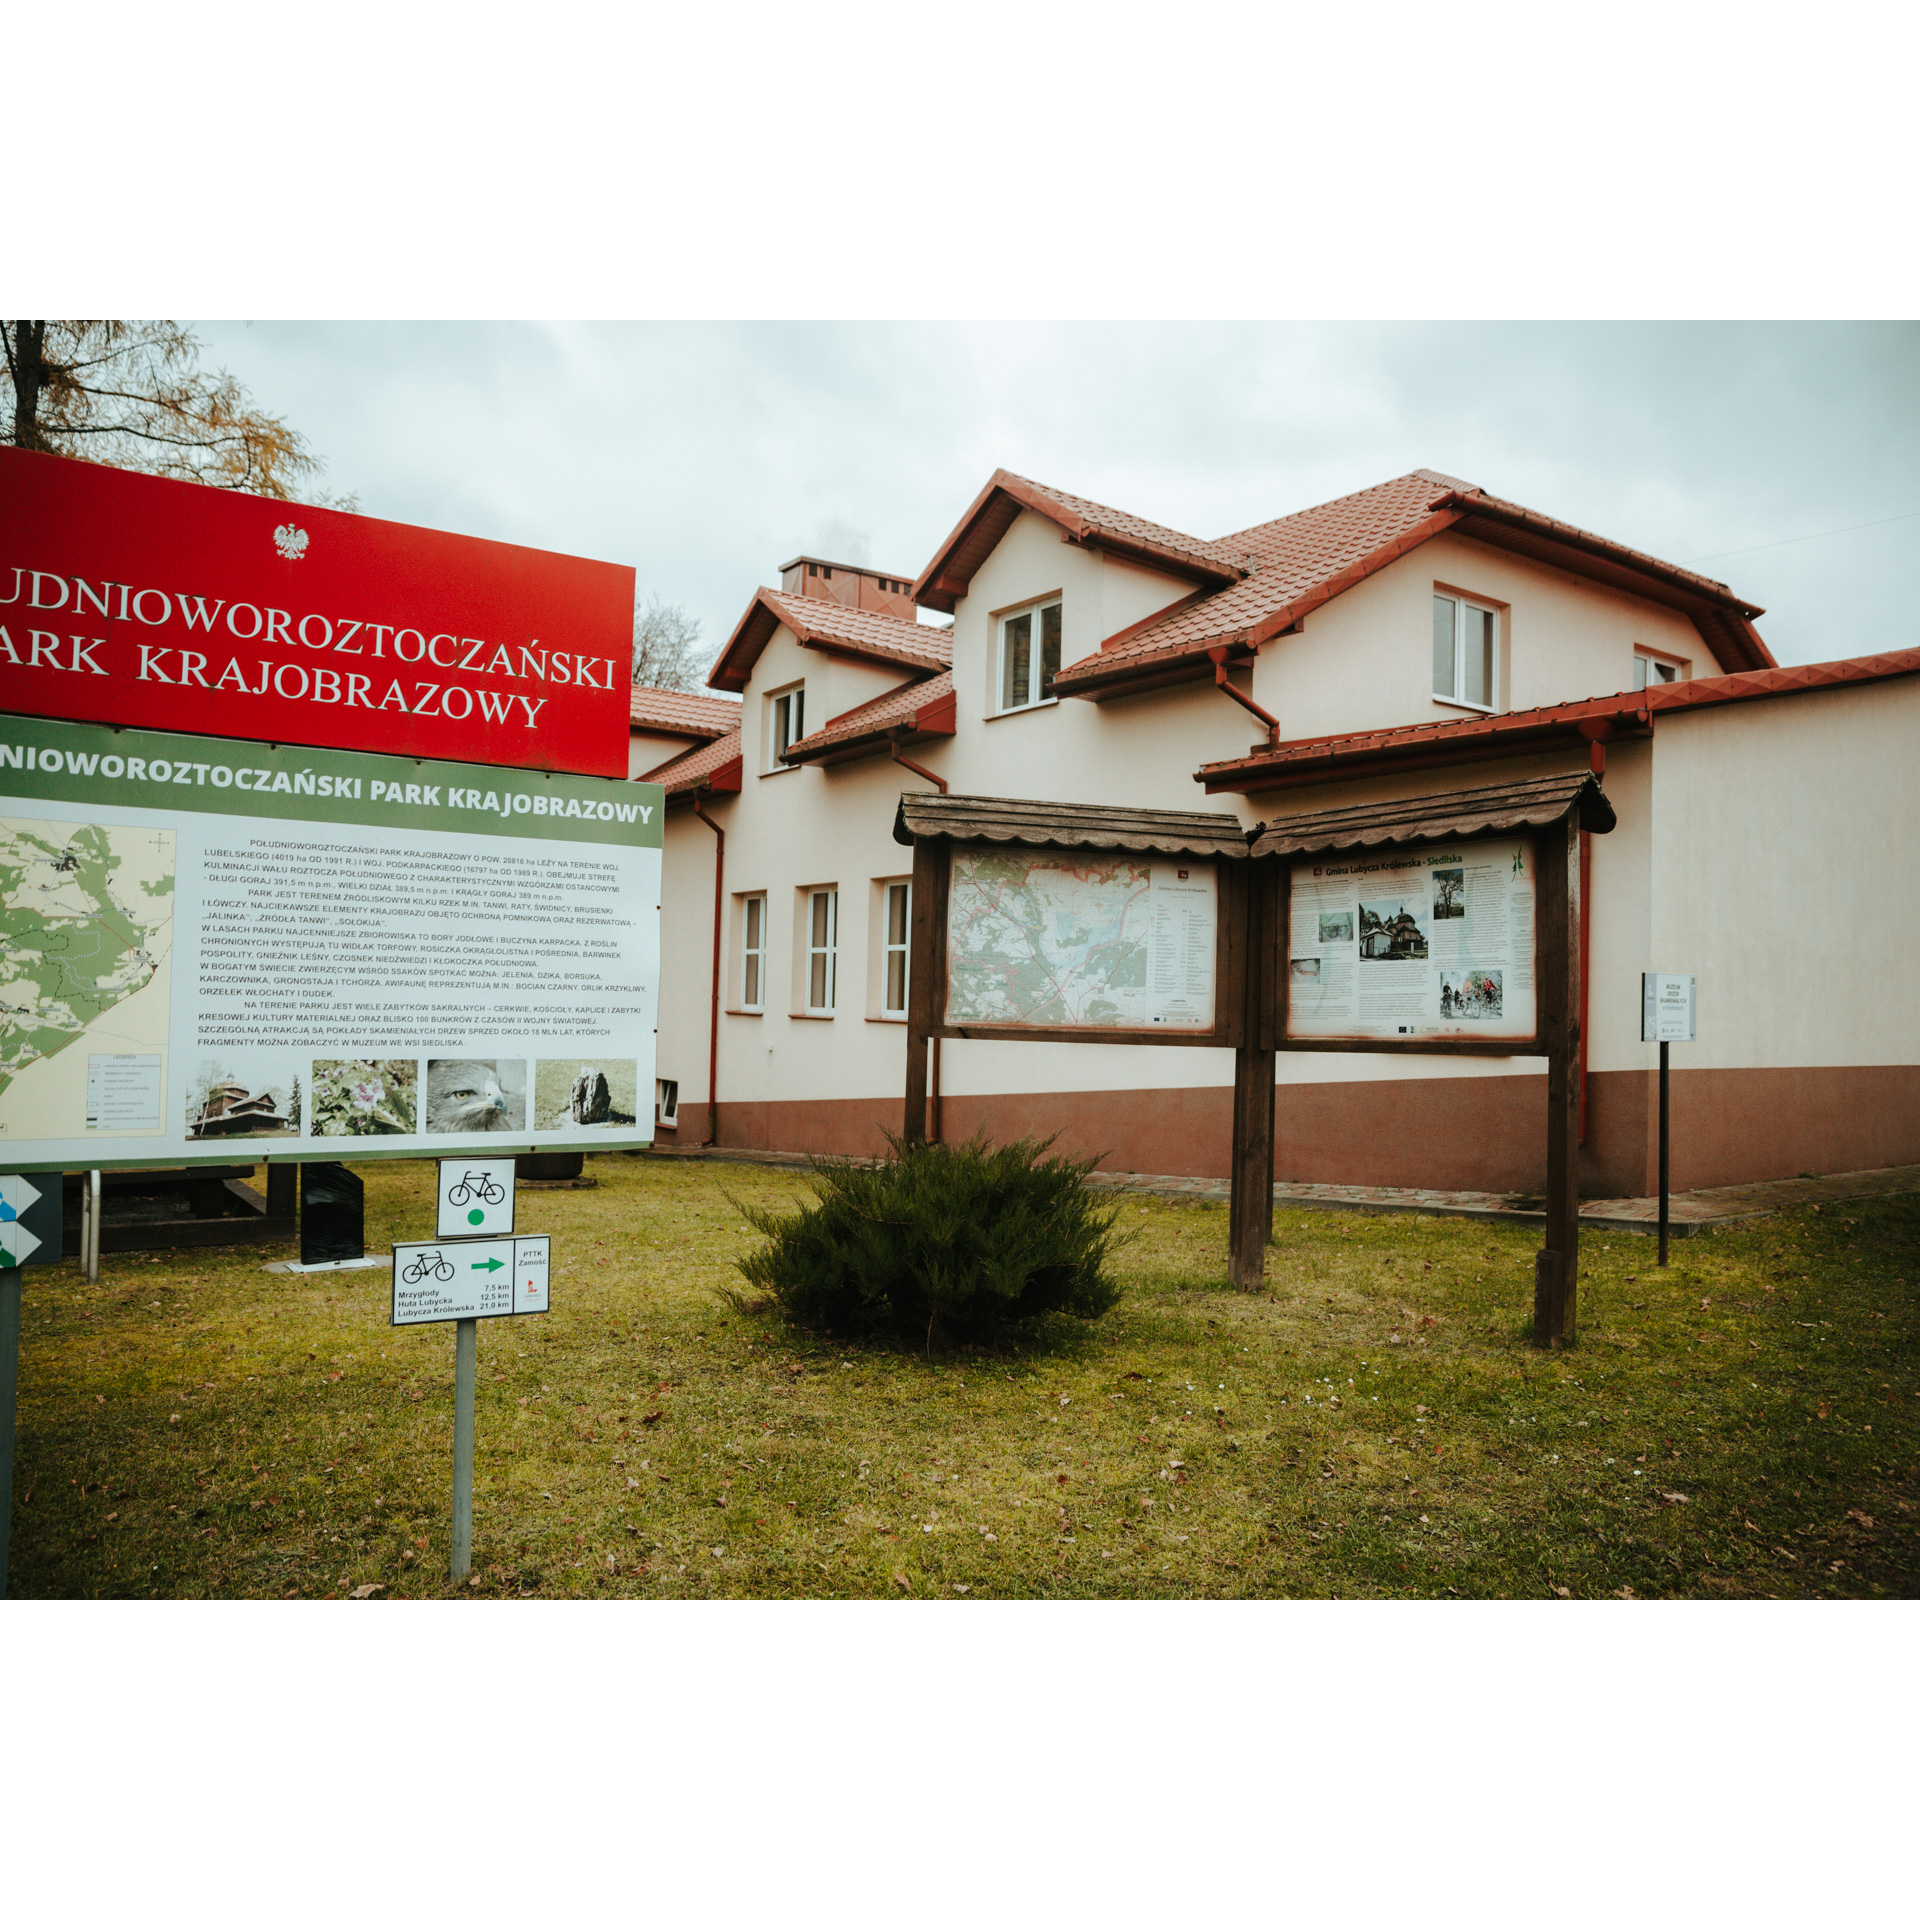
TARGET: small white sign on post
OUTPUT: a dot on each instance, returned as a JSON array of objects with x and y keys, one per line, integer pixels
[
  {"x": 476, "y": 1196},
  {"x": 469, "y": 1279},
  {"x": 1668, "y": 1004}
]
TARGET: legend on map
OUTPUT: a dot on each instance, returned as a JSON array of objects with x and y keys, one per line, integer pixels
[{"x": 123, "y": 1092}]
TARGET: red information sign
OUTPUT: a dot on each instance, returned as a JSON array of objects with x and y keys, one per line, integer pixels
[{"x": 138, "y": 601}]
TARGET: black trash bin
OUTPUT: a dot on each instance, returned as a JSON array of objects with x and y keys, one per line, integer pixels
[{"x": 333, "y": 1213}]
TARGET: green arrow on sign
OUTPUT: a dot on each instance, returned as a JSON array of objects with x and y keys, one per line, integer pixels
[{"x": 488, "y": 1266}]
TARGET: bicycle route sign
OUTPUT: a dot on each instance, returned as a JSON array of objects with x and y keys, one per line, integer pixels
[
  {"x": 470, "y": 1279},
  {"x": 476, "y": 1196}
]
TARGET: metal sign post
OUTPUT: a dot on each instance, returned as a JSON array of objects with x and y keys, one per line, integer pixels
[
  {"x": 30, "y": 1232},
  {"x": 466, "y": 1277},
  {"x": 1669, "y": 1003}
]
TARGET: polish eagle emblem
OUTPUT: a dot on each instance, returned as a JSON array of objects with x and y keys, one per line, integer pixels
[{"x": 291, "y": 540}]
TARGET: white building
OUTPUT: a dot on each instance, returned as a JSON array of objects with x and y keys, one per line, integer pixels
[{"x": 1398, "y": 640}]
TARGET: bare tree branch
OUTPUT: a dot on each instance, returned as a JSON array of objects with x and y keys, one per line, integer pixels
[
  {"x": 666, "y": 648},
  {"x": 153, "y": 410}
]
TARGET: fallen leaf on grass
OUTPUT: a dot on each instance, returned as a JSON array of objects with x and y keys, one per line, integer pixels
[
  {"x": 1674, "y": 1499},
  {"x": 1565, "y": 1593},
  {"x": 901, "y": 1581},
  {"x": 647, "y": 1419},
  {"x": 368, "y": 1591},
  {"x": 1853, "y": 1513}
]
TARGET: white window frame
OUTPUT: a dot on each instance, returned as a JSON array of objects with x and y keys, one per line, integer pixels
[
  {"x": 1655, "y": 670},
  {"x": 666, "y": 1103},
  {"x": 751, "y": 952},
  {"x": 829, "y": 953},
  {"x": 885, "y": 947},
  {"x": 1035, "y": 612},
  {"x": 790, "y": 703},
  {"x": 1461, "y": 603}
]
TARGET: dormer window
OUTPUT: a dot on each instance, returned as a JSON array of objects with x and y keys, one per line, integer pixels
[
  {"x": 1650, "y": 671},
  {"x": 786, "y": 724},
  {"x": 1029, "y": 655},
  {"x": 1466, "y": 653}
]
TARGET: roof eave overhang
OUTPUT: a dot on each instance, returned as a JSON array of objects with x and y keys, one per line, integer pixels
[
  {"x": 935, "y": 721},
  {"x": 1000, "y": 503},
  {"x": 1332, "y": 768},
  {"x": 1725, "y": 622},
  {"x": 1118, "y": 681}
]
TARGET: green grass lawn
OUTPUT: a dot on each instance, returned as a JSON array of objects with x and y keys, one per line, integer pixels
[{"x": 1375, "y": 1423}]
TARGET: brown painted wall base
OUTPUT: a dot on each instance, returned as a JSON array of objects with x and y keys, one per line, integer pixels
[
  {"x": 1481, "y": 1134},
  {"x": 1735, "y": 1124}
]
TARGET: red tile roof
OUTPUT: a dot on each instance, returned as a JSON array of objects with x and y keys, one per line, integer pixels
[
  {"x": 693, "y": 716},
  {"x": 1085, "y": 522},
  {"x": 828, "y": 625},
  {"x": 714, "y": 768},
  {"x": 1303, "y": 560},
  {"x": 926, "y": 709},
  {"x": 1350, "y": 756}
]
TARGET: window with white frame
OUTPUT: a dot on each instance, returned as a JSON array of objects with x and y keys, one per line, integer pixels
[
  {"x": 823, "y": 913},
  {"x": 666, "y": 1103},
  {"x": 1029, "y": 655},
  {"x": 1651, "y": 672},
  {"x": 753, "y": 952},
  {"x": 898, "y": 904},
  {"x": 1466, "y": 652},
  {"x": 786, "y": 724}
]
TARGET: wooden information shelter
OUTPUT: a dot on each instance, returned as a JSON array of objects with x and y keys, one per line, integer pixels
[{"x": 1263, "y": 997}]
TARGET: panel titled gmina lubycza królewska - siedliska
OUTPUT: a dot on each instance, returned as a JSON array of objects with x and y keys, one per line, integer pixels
[{"x": 215, "y": 950}]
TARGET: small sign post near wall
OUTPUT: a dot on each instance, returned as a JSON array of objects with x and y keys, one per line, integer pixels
[{"x": 1669, "y": 1005}]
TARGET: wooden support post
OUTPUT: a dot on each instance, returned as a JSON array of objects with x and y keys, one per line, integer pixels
[
  {"x": 1251, "y": 1205},
  {"x": 283, "y": 1190},
  {"x": 1249, "y": 894},
  {"x": 924, "y": 977},
  {"x": 1556, "y": 1281}
]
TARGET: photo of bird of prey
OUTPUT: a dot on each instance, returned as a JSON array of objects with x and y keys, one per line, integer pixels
[{"x": 476, "y": 1096}]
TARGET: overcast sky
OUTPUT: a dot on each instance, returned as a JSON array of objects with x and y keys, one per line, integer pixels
[{"x": 705, "y": 454}]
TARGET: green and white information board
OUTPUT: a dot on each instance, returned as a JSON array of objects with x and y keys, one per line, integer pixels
[{"x": 216, "y": 950}]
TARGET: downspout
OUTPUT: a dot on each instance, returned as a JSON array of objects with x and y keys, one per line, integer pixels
[
  {"x": 713, "y": 1030},
  {"x": 1586, "y": 946},
  {"x": 1218, "y": 655},
  {"x": 900, "y": 759},
  {"x": 1595, "y": 733},
  {"x": 933, "y": 1066}
]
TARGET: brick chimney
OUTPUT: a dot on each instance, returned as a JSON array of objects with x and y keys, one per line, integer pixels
[{"x": 859, "y": 587}]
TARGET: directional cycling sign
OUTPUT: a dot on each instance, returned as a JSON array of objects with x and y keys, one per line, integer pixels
[
  {"x": 470, "y": 1279},
  {"x": 476, "y": 1196}
]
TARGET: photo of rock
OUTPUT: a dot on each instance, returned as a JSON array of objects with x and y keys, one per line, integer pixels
[
  {"x": 476, "y": 1096},
  {"x": 572, "y": 1096}
]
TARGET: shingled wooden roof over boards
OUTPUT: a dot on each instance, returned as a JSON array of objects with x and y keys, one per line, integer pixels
[
  {"x": 1053, "y": 823},
  {"x": 1442, "y": 816}
]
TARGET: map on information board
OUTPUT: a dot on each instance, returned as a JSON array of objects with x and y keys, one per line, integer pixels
[
  {"x": 86, "y": 924},
  {"x": 1080, "y": 940}
]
